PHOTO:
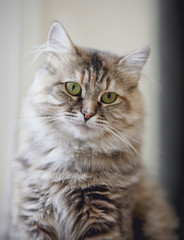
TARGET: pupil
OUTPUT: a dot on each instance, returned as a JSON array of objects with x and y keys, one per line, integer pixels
[
  {"x": 73, "y": 87},
  {"x": 109, "y": 95}
]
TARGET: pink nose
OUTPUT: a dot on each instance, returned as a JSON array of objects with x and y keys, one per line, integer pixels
[{"x": 87, "y": 115}]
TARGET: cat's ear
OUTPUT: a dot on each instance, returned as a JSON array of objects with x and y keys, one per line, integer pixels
[
  {"x": 132, "y": 64},
  {"x": 59, "y": 40}
]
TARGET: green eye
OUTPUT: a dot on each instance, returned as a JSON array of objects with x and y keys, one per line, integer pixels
[
  {"x": 73, "y": 88},
  {"x": 108, "y": 97}
]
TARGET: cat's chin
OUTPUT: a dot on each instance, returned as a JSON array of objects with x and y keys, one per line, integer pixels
[{"x": 84, "y": 132}]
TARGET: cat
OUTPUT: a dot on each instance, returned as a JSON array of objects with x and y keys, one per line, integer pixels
[{"x": 78, "y": 174}]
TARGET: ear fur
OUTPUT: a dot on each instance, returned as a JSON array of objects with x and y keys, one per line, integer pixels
[
  {"x": 58, "y": 39},
  {"x": 133, "y": 63}
]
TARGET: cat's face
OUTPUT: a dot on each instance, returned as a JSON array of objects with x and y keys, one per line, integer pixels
[{"x": 88, "y": 94}]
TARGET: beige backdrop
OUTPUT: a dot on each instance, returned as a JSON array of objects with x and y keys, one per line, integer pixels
[{"x": 115, "y": 25}]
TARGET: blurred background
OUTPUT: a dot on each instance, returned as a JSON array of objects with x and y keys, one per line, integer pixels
[{"x": 118, "y": 26}]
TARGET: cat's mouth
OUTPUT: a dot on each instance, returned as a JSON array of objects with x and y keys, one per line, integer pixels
[{"x": 83, "y": 126}]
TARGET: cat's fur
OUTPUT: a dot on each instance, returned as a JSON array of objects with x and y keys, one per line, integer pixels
[{"x": 77, "y": 179}]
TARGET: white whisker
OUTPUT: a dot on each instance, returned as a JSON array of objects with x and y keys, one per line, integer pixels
[
  {"x": 125, "y": 135},
  {"x": 123, "y": 139}
]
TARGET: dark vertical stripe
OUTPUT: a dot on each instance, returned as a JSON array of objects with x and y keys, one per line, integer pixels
[
  {"x": 96, "y": 61},
  {"x": 104, "y": 74},
  {"x": 89, "y": 74}
]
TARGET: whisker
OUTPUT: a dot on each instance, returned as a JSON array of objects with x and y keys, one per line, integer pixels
[
  {"x": 123, "y": 139},
  {"x": 102, "y": 120},
  {"x": 20, "y": 122},
  {"x": 126, "y": 135},
  {"x": 99, "y": 123},
  {"x": 70, "y": 115}
]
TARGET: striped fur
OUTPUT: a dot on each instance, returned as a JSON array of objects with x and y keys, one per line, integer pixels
[{"x": 78, "y": 179}]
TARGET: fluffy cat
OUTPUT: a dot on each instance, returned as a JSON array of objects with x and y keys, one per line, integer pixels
[{"x": 78, "y": 173}]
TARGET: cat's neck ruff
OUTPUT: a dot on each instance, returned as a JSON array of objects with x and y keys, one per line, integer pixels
[{"x": 65, "y": 157}]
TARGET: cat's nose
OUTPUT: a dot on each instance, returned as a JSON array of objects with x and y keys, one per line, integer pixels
[{"x": 87, "y": 115}]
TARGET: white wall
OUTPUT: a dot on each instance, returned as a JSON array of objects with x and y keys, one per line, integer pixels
[
  {"x": 10, "y": 37},
  {"x": 119, "y": 26}
]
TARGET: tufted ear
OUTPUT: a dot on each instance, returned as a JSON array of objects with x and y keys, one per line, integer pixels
[
  {"x": 59, "y": 40},
  {"x": 132, "y": 64}
]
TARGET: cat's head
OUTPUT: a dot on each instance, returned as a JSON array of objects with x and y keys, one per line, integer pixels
[{"x": 89, "y": 94}]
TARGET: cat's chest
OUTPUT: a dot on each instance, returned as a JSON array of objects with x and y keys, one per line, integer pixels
[{"x": 95, "y": 209}]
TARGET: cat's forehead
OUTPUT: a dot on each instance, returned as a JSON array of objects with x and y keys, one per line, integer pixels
[
  {"x": 94, "y": 80},
  {"x": 98, "y": 60},
  {"x": 95, "y": 69}
]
